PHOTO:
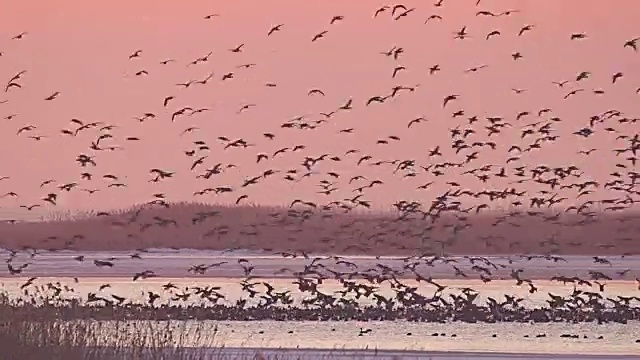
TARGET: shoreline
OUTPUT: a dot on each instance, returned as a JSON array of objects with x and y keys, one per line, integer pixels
[{"x": 317, "y": 353}]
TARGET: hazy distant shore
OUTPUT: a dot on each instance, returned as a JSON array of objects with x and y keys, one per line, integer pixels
[{"x": 274, "y": 229}]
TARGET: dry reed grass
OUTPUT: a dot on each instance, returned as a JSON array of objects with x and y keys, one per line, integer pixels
[
  {"x": 70, "y": 340},
  {"x": 27, "y": 335},
  {"x": 355, "y": 232},
  {"x": 23, "y": 338},
  {"x": 80, "y": 340}
]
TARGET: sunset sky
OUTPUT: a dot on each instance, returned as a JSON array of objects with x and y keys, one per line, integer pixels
[{"x": 81, "y": 49}]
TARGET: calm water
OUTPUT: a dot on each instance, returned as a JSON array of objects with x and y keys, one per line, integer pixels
[{"x": 400, "y": 335}]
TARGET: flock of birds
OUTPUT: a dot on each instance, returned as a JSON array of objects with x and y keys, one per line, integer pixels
[
  {"x": 381, "y": 292},
  {"x": 470, "y": 137}
]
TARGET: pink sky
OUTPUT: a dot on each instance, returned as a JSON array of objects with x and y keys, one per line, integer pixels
[{"x": 82, "y": 48}]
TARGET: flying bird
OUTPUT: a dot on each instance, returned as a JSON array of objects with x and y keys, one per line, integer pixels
[
  {"x": 380, "y": 10},
  {"x": 319, "y": 36},
  {"x": 19, "y": 36},
  {"x": 274, "y": 29},
  {"x": 336, "y": 18},
  {"x": 632, "y": 43},
  {"x": 524, "y": 29},
  {"x": 448, "y": 99},
  {"x": 135, "y": 54},
  {"x": 53, "y": 96},
  {"x": 416, "y": 121}
]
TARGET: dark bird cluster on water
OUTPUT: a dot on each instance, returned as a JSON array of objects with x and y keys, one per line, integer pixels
[
  {"x": 412, "y": 294},
  {"x": 434, "y": 225}
]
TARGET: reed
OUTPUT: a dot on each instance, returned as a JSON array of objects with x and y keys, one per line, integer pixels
[
  {"x": 34, "y": 335},
  {"x": 24, "y": 338},
  {"x": 30, "y": 338}
]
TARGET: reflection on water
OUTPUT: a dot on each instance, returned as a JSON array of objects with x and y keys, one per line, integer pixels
[{"x": 401, "y": 335}]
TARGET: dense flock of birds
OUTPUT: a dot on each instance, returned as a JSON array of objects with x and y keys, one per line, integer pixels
[
  {"x": 335, "y": 288},
  {"x": 471, "y": 136}
]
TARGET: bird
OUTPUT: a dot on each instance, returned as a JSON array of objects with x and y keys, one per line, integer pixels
[
  {"x": 135, "y": 54},
  {"x": 632, "y": 43},
  {"x": 525, "y": 29},
  {"x": 449, "y": 98},
  {"x": 237, "y": 49},
  {"x": 30, "y": 207},
  {"x": 433, "y": 17},
  {"x": 12, "y": 85},
  {"x": 274, "y": 29},
  {"x": 380, "y": 10},
  {"x": 475, "y": 68},
  {"x": 415, "y": 121},
  {"x": 19, "y": 36},
  {"x": 336, "y": 18},
  {"x": 319, "y": 35},
  {"x": 616, "y": 76},
  {"x": 52, "y": 96},
  {"x": 492, "y": 33}
]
